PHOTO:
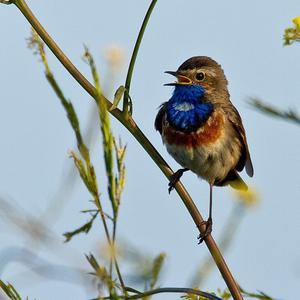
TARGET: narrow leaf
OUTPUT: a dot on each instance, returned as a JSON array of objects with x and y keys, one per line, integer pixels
[
  {"x": 156, "y": 268},
  {"x": 85, "y": 228},
  {"x": 288, "y": 115},
  {"x": 118, "y": 96}
]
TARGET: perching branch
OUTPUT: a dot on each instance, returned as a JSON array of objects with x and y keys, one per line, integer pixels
[{"x": 130, "y": 124}]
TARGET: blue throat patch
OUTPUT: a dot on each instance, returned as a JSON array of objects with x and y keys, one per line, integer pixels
[{"x": 185, "y": 110}]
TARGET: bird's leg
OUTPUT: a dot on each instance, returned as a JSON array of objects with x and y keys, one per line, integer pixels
[
  {"x": 209, "y": 222},
  {"x": 175, "y": 178}
]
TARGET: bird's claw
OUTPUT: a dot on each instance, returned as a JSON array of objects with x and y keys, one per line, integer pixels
[
  {"x": 175, "y": 178},
  {"x": 207, "y": 232}
]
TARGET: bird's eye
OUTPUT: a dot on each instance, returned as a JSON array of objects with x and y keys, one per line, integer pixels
[{"x": 200, "y": 76}]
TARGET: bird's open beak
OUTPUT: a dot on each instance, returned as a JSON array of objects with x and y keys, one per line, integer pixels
[{"x": 181, "y": 79}]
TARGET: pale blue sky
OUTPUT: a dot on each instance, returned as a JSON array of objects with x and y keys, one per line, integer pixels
[{"x": 246, "y": 39}]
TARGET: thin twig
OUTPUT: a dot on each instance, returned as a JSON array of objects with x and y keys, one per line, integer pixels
[
  {"x": 174, "y": 290},
  {"x": 143, "y": 141}
]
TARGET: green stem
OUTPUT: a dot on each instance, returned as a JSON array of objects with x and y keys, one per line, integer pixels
[
  {"x": 143, "y": 141},
  {"x": 174, "y": 290},
  {"x": 134, "y": 56},
  {"x": 111, "y": 244},
  {"x": 113, "y": 238}
]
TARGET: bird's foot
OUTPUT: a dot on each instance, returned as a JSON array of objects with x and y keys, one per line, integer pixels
[
  {"x": 208, "y": 230},
  {"x": 175, "y": 178}
]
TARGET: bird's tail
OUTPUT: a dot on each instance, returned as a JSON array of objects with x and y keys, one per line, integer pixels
[{"x": 234, "y": 180}]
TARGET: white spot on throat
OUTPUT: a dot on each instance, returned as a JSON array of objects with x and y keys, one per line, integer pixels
[{"x": 185, "y": 106}]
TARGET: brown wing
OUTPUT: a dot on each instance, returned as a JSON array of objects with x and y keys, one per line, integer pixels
[
  {"x": 159, "y": 117},
  {"x": 245, "y": 159}
]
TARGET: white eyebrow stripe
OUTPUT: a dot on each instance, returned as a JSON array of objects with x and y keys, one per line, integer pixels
[{"x": 209, "y": 71}]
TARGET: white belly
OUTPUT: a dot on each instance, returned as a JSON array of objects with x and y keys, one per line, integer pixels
[{"x": 210, "y": 162}]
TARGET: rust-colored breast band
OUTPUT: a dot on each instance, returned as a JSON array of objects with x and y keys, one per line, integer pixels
[{"x": 204, "y": 136}]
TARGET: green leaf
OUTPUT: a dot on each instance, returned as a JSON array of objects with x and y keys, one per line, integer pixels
[
  {"x": 85, "y": 228},
  {"x": 86, "y": 173},
  {"x": 106, "y": 132},
  {"x": 118, "y": 96},
  {"x": 101, "y": 272},
  {"x": 225, "y": 295},
  {"x": 288, "y": 115},
  {"x": 37, "y": 44},
  {"x": 120, "y": 152},
  {"x": 259, "y": 295},
  {"x": 156, "y": 268}
]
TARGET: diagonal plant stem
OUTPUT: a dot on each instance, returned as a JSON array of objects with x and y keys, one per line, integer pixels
[
  {"x": 134, "y": 55},
  {"x": 143, "y": 141}
]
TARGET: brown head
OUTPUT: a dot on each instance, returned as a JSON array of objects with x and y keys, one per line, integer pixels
[{"x": 204, "y": 71}]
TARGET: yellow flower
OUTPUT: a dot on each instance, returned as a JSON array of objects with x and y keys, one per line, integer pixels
[{"x": 296, "y": 21}]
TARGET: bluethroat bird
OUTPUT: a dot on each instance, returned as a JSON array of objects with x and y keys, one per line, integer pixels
[{"x": 202, "y": 130}]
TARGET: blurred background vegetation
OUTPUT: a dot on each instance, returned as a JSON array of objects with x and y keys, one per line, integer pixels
[{"x": 105, "y": 277}]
